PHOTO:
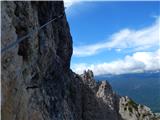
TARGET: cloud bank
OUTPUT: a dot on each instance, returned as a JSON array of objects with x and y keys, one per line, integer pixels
[
  {"x": 138, "y": 62},
  {"x": 135, "y": 40}
]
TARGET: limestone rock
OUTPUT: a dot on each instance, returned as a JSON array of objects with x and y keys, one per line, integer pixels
[
  {"x": 35, "y": 71},
  {"x": 99, "y": 102},
  {"x": 130, "y": 110}
]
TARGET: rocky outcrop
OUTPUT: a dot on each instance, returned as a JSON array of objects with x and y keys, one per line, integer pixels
[
  {"x": 109, "y": 105},
  {"x": 98, "y": 100},
  {"x": 37, "y": 83},
  {"x": 130, "y": 110}
]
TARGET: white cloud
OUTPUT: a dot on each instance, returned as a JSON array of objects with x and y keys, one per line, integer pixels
[
  {"x": 138, "y": 62},
  {"x": 118, "y": 50},
  {"x": 88, "y": 49},
  {"x": 136, "y": 40},
  {"x": 69, "y": 3}
]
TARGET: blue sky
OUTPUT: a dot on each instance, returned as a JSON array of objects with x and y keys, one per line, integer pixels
[{"x": 109, "y": 37}]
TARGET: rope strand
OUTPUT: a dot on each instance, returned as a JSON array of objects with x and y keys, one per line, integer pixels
[{"x": 29, "y": 34}]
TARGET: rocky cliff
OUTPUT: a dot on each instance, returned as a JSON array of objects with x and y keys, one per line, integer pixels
[
  {"x": 37, "y": 83},
  {"x": 35, "y": 73}
]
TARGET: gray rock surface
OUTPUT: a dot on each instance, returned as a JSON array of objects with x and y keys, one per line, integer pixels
[
  {"x": 130, "y": 110},
  {"x": 37, "y": 83},
  {"x": 31, "y": 63}
]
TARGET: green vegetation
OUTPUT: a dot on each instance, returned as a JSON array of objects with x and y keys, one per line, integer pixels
[
  {"x": 130, "y": 109},
  {"x": 131, "y": 103}
]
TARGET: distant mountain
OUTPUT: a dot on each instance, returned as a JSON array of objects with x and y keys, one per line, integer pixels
[{"x": 144, "y": 88}]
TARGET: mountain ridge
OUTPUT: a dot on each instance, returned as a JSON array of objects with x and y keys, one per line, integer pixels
[{"x": 142, "y": 87}]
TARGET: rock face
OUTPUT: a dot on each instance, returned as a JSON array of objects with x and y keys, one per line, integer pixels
[
  {"x": 99, "y": 102},
  {"x": 130, "y": 110},
  {"x": 35, "y": 73},
  {"x": 37, "y": 83}
]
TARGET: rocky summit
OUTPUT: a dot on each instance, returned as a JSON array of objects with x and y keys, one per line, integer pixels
[{"x": 36, "y": 79}]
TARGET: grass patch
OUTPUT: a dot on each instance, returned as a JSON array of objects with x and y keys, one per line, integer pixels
[{"x": 133, "y": 104}]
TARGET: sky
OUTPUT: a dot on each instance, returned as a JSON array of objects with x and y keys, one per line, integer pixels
[{"x": 114, "y": 37}]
